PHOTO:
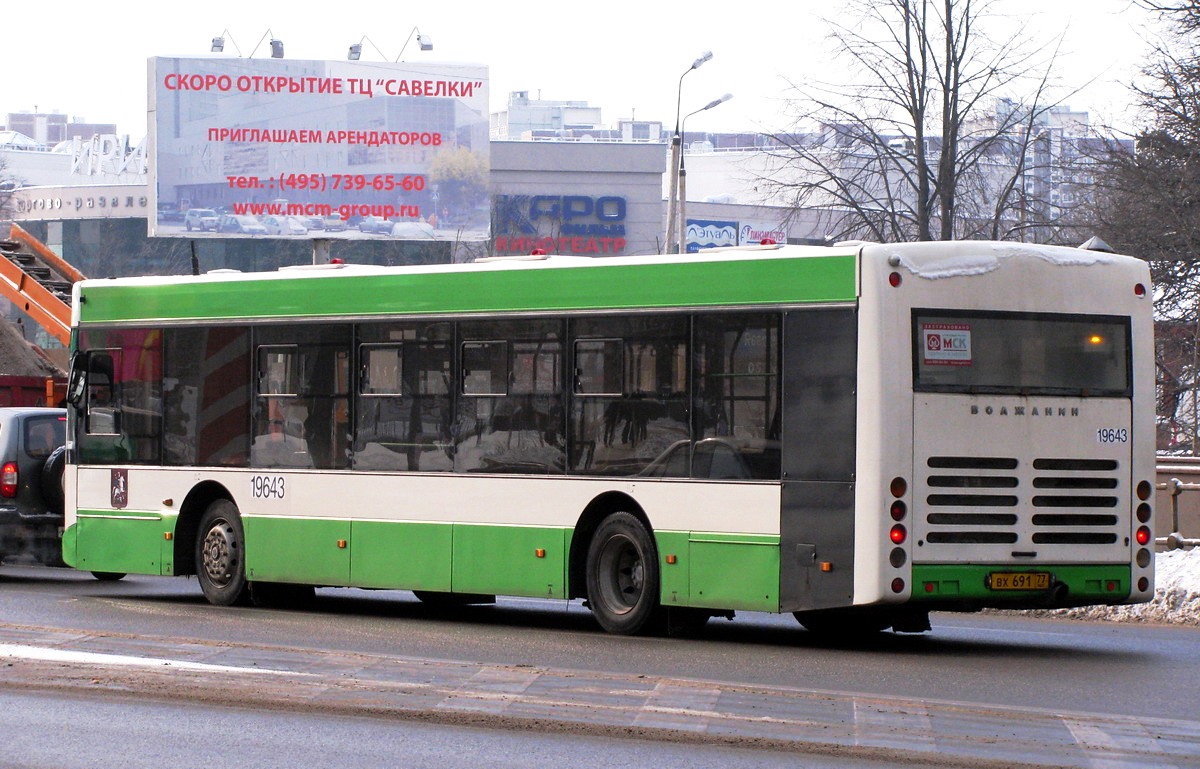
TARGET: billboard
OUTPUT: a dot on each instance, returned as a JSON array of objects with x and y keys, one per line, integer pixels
[
  {"x": 709, "y": 233},
  {"x": 754, "y": 233},
  {"x": 318, "y": 149}
]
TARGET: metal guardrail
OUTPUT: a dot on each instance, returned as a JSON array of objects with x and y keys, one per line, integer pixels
[{"x": 1175, "y": 540}]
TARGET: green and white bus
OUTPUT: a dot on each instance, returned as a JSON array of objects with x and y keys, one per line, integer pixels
[{"x": 857, "y": 434}]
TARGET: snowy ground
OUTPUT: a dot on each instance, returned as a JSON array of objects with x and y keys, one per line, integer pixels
[{"x": 1176, "y": 595}]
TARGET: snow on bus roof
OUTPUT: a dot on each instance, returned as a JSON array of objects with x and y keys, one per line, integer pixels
[
  {"x": 952, "y": 259},
  {"x": 488, "y": 264}
]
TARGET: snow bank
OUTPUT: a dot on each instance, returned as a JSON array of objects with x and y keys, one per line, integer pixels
[{"x": 1176, "y": 595}]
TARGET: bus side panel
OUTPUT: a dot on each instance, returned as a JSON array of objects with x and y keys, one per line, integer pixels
[
  {"x": 130, "y": 543},
  {"x": 305, "y": 550},
  {"x": 734, "y": 574},
  {"x": 817, "y": 511},
  {"x": 816, "y": 531},
  {"x": 510, "y": 560},
  {"x": 412, "y": 556},
  {"x": 673, "y": 566}
]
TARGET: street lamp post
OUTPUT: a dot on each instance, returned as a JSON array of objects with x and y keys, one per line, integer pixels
[
  {"x": 676, "y": 154},
  {"x": 683, "y": 174}
]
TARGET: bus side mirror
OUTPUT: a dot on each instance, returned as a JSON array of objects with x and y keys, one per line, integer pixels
[{"x": 77, "y": 381}]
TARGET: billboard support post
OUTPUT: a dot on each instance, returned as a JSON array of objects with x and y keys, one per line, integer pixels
[{"x": 320, "y": 251}]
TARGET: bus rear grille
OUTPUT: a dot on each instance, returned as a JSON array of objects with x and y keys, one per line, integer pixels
[{"x": 1003, "y": 500}]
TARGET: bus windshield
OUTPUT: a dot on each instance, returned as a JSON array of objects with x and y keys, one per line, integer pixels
[{"x": 1021, "y": 354}]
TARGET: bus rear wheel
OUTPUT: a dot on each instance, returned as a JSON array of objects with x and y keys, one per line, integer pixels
[
  {"x": 623, "y": 575},
  {"x": 221, "y": 555}
]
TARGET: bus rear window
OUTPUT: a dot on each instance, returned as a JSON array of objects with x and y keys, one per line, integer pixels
[{"x": 1021, "y": 354}]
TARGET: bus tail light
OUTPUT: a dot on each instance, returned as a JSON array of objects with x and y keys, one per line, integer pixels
[
  {"x": 899, "y": 534},
  {"x": 899, "y": 510},
  {"x": 1143, "y": 535},
  {"x": 897, "y": 585},
  {"x": 8, "y": 480}
]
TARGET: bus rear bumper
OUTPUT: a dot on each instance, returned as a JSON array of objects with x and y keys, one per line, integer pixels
[{"x": 1052, "y": 586}]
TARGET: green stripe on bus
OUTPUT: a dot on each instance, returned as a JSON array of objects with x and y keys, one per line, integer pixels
[
  {"x": 713, "y": 570},
  {"x": 600, "y": 287},
  {"x": 1085, "y": 584}
]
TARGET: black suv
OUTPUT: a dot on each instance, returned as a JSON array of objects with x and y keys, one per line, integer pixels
[{"x": 31, "y": 492}]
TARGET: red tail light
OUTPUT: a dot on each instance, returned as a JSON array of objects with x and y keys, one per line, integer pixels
[
  {"x": 8, "y": 480},
  {"x": 1143, "y": 532},
  {"x": 899, "y": 534}
]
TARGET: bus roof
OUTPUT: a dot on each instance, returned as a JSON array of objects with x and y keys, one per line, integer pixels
[
  {"x": 749, "y": 276},
  {"x": 743, "y": 277}
]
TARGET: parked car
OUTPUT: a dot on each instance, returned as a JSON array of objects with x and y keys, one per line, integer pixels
[
  {"x": 241, "y": 224},
  {"x": 333, "y": 223},
  {"x": 169, "y": 212},
  {"x": 203, "y": 219},
  {"x": 31, "y": 493},
  {"x": 283, "y": 225},
  {"x": 413, "y": 231},
  {"x": 375, "y": 224}
]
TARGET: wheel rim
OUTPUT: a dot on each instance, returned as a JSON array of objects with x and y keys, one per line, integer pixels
[
  {"x": 220, "y": 553},
  {"x": 622, "y": 574}
]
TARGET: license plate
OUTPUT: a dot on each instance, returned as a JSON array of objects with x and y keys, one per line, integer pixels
[{"x": 1019, "y": 580}]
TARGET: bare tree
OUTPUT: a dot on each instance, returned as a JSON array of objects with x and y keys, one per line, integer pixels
[
  {"x": 924, "y": 144},
  {"x": 1148, "y": 203},
  {"x": 8, "y": 185}
]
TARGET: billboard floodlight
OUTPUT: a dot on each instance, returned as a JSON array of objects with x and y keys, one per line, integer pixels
[
  {"x": 276, "y": 49},
  {"x": 355, "y": 52},
  {"x": 218, "y": 43},
  {"x": 425, "y": 42}
]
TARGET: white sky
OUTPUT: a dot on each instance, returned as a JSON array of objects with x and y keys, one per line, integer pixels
[{"x": 88, "y": 59}]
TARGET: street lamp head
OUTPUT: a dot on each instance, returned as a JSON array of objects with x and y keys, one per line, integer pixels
[
  {"x": 715, "y": 102},
  {"x": 710, "y": 105},
  {"x": 701, "y": 59}
]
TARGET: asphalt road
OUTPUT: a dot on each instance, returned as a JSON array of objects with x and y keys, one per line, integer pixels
[{"x": 1099, "y": 685}]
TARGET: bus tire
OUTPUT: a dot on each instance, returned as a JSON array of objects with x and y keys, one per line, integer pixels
[
  {"x": 623, "y": 575},
  {"x": 221, "y": 555}
]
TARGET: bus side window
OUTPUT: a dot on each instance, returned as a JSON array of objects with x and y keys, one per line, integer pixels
[{"x": 102, "y": 413}]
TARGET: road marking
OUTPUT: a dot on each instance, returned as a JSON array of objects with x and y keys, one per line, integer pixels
[
  {"x": 672, "y": 705},
  {"x": 94, "y": 658},
  {"x": 1114, "y": 743}
]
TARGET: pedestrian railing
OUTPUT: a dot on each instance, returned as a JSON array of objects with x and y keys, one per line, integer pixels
[{"x": 1175, "y": 540}]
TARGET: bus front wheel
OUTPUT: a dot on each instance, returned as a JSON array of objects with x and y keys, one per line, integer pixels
[
  {"x": 622, "y": 575},
  {"x": 221, "y": 556}
]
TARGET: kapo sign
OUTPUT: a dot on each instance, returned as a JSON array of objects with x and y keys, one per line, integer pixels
[{"x": 566, "y": 224}]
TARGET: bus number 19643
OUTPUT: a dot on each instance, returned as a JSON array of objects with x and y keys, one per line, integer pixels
[
  {"x": 1112, "y": 435},
  {"x": 267, "y": 486}
]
